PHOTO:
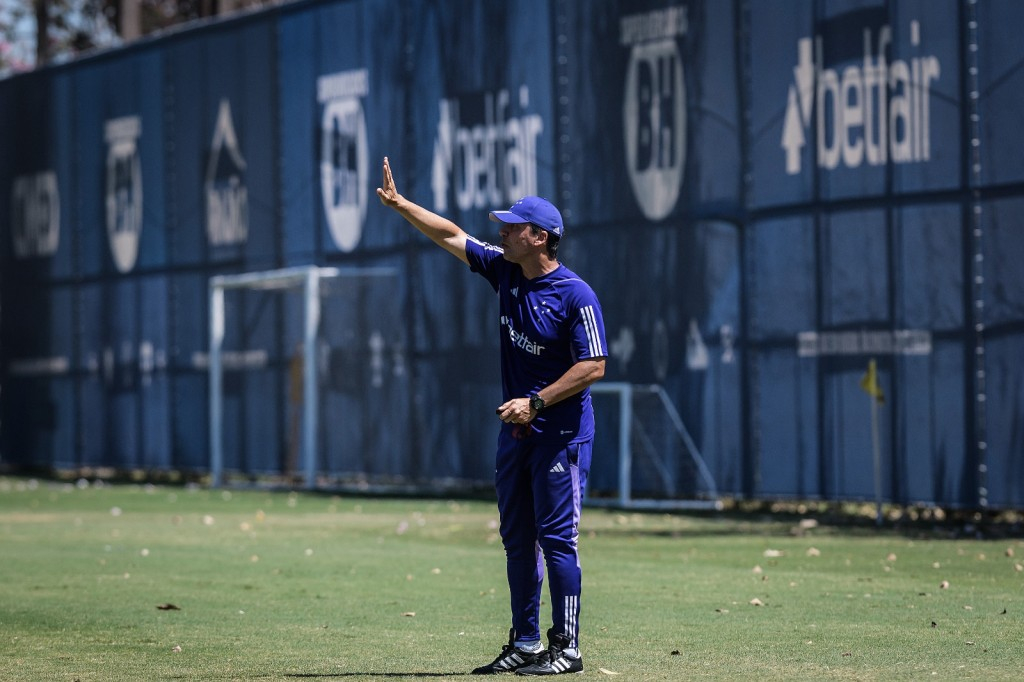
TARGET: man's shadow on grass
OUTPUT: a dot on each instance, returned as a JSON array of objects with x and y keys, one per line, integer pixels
[{"x": 328, "y": 676}]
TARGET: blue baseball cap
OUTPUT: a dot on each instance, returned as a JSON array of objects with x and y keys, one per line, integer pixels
[{"x": 540, "y": 212}]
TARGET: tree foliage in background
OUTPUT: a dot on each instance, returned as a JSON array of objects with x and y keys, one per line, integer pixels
[{"x": 40, "y": 32}]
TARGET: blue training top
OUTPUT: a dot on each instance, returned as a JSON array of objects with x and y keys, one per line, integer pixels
[{"x": 548, "y": 324}]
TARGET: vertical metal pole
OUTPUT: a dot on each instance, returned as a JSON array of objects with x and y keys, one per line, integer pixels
[
  {"x": 310, "y": 395},
  {"x": 877, "y": 451},
  {"x": 625, "y": 439},
  {"x": 977, "y": 383},
  {"x": 216, "y": 382}
]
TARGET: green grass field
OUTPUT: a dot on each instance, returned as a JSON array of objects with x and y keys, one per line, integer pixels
[{"x": 279, "y": 586}]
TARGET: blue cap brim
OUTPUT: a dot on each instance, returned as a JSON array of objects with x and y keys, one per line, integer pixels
[{"x": 507, "y": 217}]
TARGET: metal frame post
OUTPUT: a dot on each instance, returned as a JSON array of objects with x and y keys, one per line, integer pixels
[
  {"x": 216, "y": 382},
  {"x": 624, "y": 390},
  {"x": 310, "y": 395},
  {"x": 625, "y": 443}
]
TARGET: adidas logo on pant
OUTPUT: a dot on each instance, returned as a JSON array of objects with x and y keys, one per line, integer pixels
[{"x": 557, "y": 469}]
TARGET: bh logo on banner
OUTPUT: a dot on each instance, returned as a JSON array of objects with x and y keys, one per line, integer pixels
[
  {"x": 654, "y": 108},
  {"x": 124, "y": 190},
  {"x": 35, "y": 215},
  {"x": 343, "y": 154}
]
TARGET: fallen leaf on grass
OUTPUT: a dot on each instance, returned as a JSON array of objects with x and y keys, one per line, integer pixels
[
  {"x": 176, "y": 649},
  {"x": 813, "y": 551},
  {"x": 409, "y": 614},
  {"x": 944, "y": 585},
  {"x": 773, "y": 553},
  {"x": 847, "y": 653},
  {"x": 168, "y": 607},
  {"x": 675, "y": 652},
  {"x": 756, "y": 602},
  {"x": 607, "y": 672}
]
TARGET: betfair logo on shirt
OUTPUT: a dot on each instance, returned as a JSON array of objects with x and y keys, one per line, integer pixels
[{"x": 520, "y": 340}]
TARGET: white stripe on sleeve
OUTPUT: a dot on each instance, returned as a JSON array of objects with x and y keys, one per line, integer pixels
[{"x": 593, "y": 337}]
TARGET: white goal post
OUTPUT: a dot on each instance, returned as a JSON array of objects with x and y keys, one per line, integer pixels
[
  {"x": 632, "y": 431},
  {"x": 309, "y": 278}
]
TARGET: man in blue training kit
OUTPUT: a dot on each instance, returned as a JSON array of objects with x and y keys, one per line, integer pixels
[{"x": 552, "y": 349}]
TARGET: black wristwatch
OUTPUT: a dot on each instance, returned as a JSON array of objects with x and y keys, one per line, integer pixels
[{"x": 536, "y": 402}]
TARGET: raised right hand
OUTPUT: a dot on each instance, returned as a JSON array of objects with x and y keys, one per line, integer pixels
[{"x": 388, "y": 194}]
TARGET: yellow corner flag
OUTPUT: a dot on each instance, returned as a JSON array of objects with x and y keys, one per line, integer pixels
[{"x": 869, "y": 382}]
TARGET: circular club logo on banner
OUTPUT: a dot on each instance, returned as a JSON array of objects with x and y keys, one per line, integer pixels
[
  {"x": 654, "y": 118},
  {"x": 124, "y": 191},
  {"x": 343, "y": 166}
]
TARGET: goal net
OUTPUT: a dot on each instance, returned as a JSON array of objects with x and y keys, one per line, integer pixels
[
  {"x": 659, "y": 465},
  {"x": 312, "y": 283}
]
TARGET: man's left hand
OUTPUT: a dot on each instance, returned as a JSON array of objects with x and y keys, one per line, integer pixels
[{"x": 516, "y": 411}]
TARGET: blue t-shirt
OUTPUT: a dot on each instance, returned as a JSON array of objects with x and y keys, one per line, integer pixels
[{"x": 548, "y": 324}]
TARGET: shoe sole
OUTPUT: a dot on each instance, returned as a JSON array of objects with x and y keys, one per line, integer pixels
[
  {"x": 533, "y": 674},
  {"x": 523, "y": 673}
]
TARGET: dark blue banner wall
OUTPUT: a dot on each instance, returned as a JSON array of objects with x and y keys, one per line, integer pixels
[{"x": 766, "y": 197}]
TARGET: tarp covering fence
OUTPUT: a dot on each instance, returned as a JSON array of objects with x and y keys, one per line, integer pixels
[{"x": 765, "y": 195}]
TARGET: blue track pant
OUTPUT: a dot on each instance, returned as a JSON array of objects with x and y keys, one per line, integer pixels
[{"x": 540, "y": 487}]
